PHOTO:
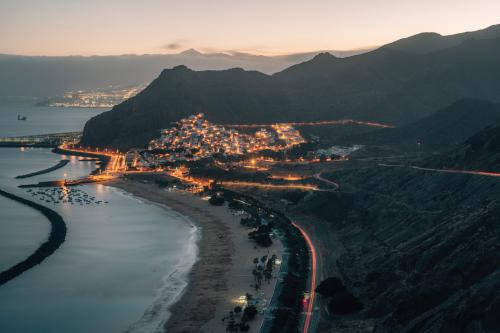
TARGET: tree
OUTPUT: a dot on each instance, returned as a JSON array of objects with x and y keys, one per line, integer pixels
[
  {"x": 249, "y": 313},
  {"x": 216, "y": 200},
  {"x": 257, "y": 275},
  {"x": 244, "y": 327},
  {"x": 261, "y": 236},
  {"x": 237, "y": 309},
  {"x": 344, "y": 303},
  {"x": 231, "y": 325},
  {"x": 330, "y": 286},
  {"x": 268, "y": 275}
]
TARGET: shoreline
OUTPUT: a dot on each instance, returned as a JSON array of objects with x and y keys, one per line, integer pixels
[
  {"x": 223, "y": 268},
  {"x": 174, "y": 283},
  {"x": 196, "y": 304}
]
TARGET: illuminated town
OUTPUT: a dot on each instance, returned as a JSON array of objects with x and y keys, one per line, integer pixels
[
  {"x": 97, "y": 98},
  {"x": 194, "y": 138}
]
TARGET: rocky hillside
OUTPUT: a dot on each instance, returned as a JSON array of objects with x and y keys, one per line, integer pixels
[
  {"x": 480, "y": 152},
  {"x": 387, "y": 84},
  {"x": 421, "y": 249},
  {"x": 443, "y": 130}
]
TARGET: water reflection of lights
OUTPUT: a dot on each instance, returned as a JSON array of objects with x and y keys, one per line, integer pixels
[{"x": 99, "y": 188}]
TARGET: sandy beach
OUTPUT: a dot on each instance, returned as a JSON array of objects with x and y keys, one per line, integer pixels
[{"x": 223, "y": 271}]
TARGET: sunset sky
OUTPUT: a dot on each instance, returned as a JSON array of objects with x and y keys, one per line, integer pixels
[{"x": 103, "y": 27}]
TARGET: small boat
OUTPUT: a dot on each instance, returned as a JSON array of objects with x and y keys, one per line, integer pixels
[{"x": 19, "y": 117}]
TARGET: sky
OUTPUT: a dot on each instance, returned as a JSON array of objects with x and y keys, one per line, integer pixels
[{"x": 267, "y": 27}]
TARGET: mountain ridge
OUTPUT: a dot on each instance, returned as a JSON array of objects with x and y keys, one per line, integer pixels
[
  {"x": 427, "y": 42},
  {"x": 383, "y": 85}
]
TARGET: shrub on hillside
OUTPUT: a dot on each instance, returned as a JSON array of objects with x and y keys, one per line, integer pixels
[
  {"x": 249, "y": 313},
  {"x": 344, "y": 303},
  {"x": 330, "y": 286},
  {"x": 216, "y": 200}
]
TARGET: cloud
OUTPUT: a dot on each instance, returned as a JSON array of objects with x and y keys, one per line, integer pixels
[{"x": 175, "y": 45}]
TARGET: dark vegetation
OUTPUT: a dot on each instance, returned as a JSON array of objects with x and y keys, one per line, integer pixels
[
  {"x": 341, "y": 301},
  {"x": 330, "y": 286},
  {"x": 393, "y": 84},
  {"x": 261, "y": 236},
  {"x": 294, "y": 196},
  {"x": 56, "y": 238},
  {"x": 249, "y": 313},
  {"x": 216, "y": 200}
]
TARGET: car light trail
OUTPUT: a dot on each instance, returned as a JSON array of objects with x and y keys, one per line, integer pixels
[
  {"x": 315, "y": 123},
  {"x": 312, "y": 294},
  {"x": 271, "y": 186},
  {"x": 466, "y": 172}
]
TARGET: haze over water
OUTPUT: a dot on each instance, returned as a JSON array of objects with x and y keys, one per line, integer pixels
[{"x": 118, "y": 259}]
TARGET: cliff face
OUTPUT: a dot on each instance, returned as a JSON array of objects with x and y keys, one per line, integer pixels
[{"x": 422, "y": 249}]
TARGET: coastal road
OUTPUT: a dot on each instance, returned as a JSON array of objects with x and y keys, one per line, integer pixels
[
  {"x": 467, "y": 172},
  {"x": 312, "y": 294}
]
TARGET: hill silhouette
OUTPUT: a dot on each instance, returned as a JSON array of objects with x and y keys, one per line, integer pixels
[{"x": 385, "y": 85}]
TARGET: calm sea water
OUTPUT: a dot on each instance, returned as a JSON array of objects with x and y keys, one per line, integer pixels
[
  {"x": 42, "y": 119},
  {"x": 122, "y": 265}
]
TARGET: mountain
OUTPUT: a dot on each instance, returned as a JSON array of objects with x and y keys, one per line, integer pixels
[
  {"x": 34, "y": 76},
  {"x": 441, "y": 131},
  {"x": 382, "y": 85},
  {"x": 428, "y": 42},
  {"x": 225, "y": 96}
]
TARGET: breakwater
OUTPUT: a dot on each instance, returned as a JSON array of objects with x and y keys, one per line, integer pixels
[
  {"x": 59, "y": 165},
  {"x": 57, "y": 236}
]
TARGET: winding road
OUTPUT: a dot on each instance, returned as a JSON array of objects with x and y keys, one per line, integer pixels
[{"x": 324, "y": 180}]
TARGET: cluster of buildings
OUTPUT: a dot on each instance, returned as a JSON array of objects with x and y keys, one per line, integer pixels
[
  {"x": 194, "y": 138},
  {"x": 102, "y": 98},
  {"x": 337, "y": 152}
]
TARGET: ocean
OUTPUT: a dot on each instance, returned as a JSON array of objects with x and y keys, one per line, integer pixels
[{"x": 123, "y": 262}]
